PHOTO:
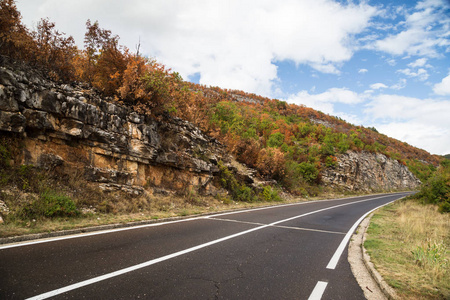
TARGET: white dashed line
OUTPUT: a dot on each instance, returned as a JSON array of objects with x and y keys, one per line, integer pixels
[{"x": 318, "y": 290}]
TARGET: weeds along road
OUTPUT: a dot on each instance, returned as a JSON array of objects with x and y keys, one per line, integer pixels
[{"x": 295, "y": 251}]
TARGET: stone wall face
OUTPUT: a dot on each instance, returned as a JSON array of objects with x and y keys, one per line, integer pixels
[
  {"x": 365, "y": 171},
  {"x": 72, "y": 127}
]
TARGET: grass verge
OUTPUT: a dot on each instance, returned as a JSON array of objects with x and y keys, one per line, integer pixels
[{"x": 409, "y": 244}]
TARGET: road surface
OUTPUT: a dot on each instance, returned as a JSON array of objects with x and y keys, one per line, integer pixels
[{"x": 294, "y": 251}]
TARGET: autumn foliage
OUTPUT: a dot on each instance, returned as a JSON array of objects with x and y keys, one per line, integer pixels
[{"x": 286, "y": 142}]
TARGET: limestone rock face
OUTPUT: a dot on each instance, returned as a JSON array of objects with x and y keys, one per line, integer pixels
[
  {"x": 73, "y": 128},
  {"x": 365, "y": 171}
]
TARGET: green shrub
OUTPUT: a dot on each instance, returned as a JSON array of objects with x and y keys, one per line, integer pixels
[
  {"x": 421, "y": 170},
  {"x": 239, "y": 192},
  {"x": 49, "y": 205},
  {"x": 275, "y": 140},
  {"x": 5, "y": 157},
  {"x": 26, "y": 176},
  {"x": 330, "y": 161},
  {"x": 343, "y": 145},
  {"x": 433, "y": 254},
  {"x": 436, "y": 189},
  {"x": 269, "y": 194},
  {"x": 305, "y": 170}
]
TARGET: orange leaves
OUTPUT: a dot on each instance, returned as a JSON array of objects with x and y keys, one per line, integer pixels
[
  {"x": 271, "y": 162},
  {"x": 132, "y": 85},
  {"x": 45, "y": 47},
  {"x": 247, "y": 151},
  {"x": 10, "y": 25},
  {"x": 15, "y": 39},
  {"x": 55, "y": 51},
  {"x": 106, "y": 62}
]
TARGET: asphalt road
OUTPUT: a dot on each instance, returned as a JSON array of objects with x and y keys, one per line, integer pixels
[{"x": 296, "y": 251}]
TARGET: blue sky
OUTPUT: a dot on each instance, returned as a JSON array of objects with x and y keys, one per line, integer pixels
[{"x": 374, "y": 63}]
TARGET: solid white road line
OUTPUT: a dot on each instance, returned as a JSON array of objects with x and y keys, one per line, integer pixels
[
  {"x": 318, "y": 290},
  {"x": 334, "y": 260},
  {"x": 80, "y": 235},
  {"x": 170, "y": 256}
]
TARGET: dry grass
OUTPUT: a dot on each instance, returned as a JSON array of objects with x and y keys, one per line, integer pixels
[{"x": 409, "y": 244}]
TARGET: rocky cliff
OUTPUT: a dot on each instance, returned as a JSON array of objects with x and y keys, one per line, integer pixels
[
  {"x": 71, "y": 128},
  {"x": 366, "y": 171}
]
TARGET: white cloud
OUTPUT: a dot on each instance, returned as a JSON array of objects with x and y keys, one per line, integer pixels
[
  {"x": 424, "y": 136},
  {"x": 443, "y": 88},
  {"x": 326, "y": 68},
  {"x": 421, "y": 73},
  {"x": 402, "y": 108},
  {"x": 401, "y": 84},
  {"x": 377, "y": 86},
  {"x": 232, "y": 44},
  {"x": 326, "y": 101},
  {"x": 363, "y": 71},
  {"x": 423, "y": 123},
  {"x": 418, "y": 63},
  {"x": 425, "y": 31},
  {"x": 391, "y": 62},
  {"x": 333, "y": 95}
]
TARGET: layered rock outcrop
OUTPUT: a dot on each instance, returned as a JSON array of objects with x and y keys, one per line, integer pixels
[
  {"x": 366, "y": 171},
  {"x": 72, "y": 128}
]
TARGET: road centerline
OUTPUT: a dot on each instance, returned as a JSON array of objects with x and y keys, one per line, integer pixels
[
  {"x": 182, "y": 252},
  {"x": 278, "y": 226}
]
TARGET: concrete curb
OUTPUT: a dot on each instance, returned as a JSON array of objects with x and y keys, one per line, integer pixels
[{"x": 368, "y": 278}]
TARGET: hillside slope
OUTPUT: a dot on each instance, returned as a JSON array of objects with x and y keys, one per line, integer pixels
[
  {"x": 67, "y": 128},
  {"x": 124, "y": 113}
]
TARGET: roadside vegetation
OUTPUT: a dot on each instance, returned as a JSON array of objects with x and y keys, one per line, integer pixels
[
  {"x": 409, "y": 244},
  {"x": 436, "y": 188},
  {"x": 409, "y": 241}
]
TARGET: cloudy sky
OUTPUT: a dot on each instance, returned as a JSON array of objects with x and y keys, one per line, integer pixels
[{"x": 374, "y": 63}]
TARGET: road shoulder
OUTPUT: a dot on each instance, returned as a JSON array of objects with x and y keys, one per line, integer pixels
[{"x": 370, "y": 281}]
